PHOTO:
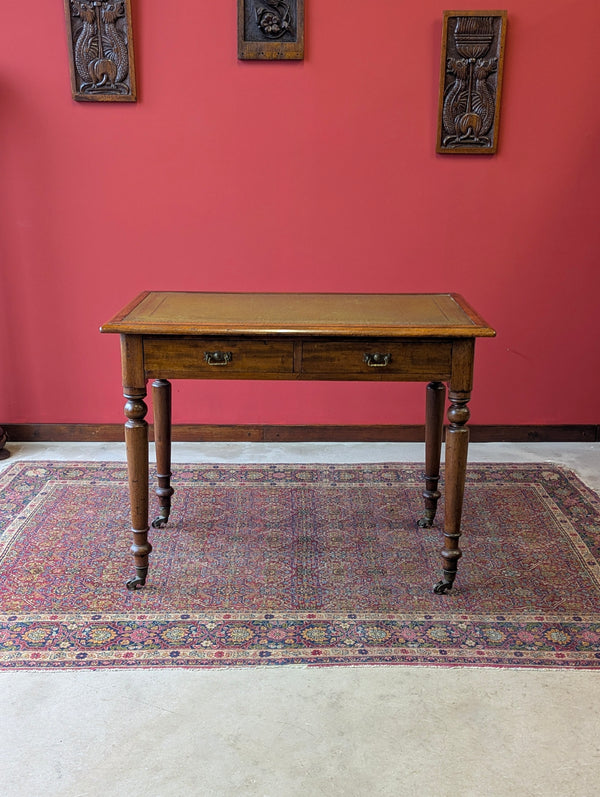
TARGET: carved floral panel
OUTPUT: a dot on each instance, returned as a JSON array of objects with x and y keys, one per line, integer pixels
[{"x": 271, "y": 29}]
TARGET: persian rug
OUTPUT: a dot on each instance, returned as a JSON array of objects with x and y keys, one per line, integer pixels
[{"x": 297, "y": 564}]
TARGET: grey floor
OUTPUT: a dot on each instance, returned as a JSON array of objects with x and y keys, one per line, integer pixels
[{"x": 296, "y": 731}]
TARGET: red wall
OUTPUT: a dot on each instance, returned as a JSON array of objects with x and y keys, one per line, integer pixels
[{"x": 312, "y": 176}]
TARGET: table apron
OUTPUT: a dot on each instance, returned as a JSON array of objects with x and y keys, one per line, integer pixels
[{"x": 280, "y": 358}]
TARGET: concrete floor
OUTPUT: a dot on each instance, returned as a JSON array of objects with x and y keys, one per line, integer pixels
[{"x": 282, "y": 732}]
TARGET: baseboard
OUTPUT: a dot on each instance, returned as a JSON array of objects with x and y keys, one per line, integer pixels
[{"x": 89, "y": 432}]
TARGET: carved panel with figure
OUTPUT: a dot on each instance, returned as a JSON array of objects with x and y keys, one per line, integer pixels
[
  {"x": 101, "y": 50},
  {"x": 471, "y": 81}
]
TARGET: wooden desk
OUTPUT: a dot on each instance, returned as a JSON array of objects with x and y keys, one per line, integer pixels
[{"x": 377, "y": 337}]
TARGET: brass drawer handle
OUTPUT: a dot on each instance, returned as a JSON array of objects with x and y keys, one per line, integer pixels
[
  {"x": 218, "y": 357},
  {"x": 377, "y": 360}
]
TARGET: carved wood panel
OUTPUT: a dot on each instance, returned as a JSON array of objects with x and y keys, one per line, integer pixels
[
  {"x": 271, "y": 29},
  {"x": 101, "y": 50},
  {"x": 471, "y": 81}
]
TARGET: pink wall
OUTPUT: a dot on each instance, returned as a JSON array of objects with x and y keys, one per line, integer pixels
[{"x": 311, "y": 176}]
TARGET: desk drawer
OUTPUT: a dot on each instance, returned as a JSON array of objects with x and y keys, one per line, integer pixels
[
  {"x": 217, "y": 358},
  {"x": 377, "y": 358}
]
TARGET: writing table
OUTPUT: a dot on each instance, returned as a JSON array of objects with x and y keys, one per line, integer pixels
[{"x": 349, "y": 337}]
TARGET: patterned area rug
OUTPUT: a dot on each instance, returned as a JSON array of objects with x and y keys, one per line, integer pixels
[{"x": 293, "y": 564}]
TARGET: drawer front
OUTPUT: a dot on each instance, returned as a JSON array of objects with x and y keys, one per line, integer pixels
[
  {"x": 377, "y": 358},
  {"x": 217, "y": 358}
]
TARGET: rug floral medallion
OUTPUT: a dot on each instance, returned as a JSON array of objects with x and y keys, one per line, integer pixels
[{"x": 297, "y": 564}]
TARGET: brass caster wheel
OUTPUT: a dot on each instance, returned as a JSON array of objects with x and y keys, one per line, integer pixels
[
  {"x": 137, "y": 582},
  {"x": 425, "y": 522}
]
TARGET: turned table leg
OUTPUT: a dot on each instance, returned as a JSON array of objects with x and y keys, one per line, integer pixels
[
  {"x": 161, "y": 401},
  {"x": 434, "y": 430},
  {"x": 457, "y": 443},
  {"x": 136, "y": 440}
]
